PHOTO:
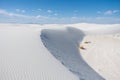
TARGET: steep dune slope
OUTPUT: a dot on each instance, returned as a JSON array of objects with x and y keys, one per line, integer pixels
[{"x": 64, "y": 45}]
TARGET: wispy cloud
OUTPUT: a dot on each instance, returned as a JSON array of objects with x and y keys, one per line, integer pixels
[
  {"x": 99, "y": 12},
  {"x": 9, "y": 17},
  {"x": 55, "y": 14},
  {"x": 39, "y": 9},
  {"x": 49, "y": 11},
  {"x": 40, "y": 17},
  {"x": 5, "y": 13},
  {"x": 20, "y": 10},
  {"x": 6, "y": 16},
  {"x": 108, "y": 12},
  {"x": 9, "y": 14}
]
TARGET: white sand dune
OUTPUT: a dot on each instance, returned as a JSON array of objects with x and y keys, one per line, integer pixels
[
  {"x": 103, "y": 55},
  {"x": 51, "y": 52},
  {"x": 64, "y": 45},
  {"x": 24, "y": 57}
]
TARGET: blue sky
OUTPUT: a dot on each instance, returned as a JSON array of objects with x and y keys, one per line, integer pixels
[{"x": 60, "y": 11}]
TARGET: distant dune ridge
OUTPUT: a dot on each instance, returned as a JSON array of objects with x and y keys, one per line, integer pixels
[{"x": 53, "y": 51}]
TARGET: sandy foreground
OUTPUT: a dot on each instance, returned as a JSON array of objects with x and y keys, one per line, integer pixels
[
  {"x": 102, "y": 53},
  {"x": 24, "y": 57}
]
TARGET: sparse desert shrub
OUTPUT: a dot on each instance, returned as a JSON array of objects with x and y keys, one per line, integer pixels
[
  {"x": 87, "y": 42},
  {"x": 81, "y": 47}
]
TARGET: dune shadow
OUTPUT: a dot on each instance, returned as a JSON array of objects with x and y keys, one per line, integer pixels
[{"x": 64, "y": 46}]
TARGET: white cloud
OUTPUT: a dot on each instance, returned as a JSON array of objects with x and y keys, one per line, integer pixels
[
  {"x": 23, "y": 11},
  {"x": 18, "y": 14},
  {"x": 55, "y": 14},
  {"x": 40, "y": 17},
  {"x": 116, "y": 11},
  {"x": 39, "y": 9},
  {"x": 6, "y": 16},
  {"x": 99, "y": 12},
  {"x": 110, "y": 12},
  {"x": 20, "y": 10},
  {"x": 17, "y": 10},
  {"x": 10, "y": 14},
  {"x": 49, "y": 11},
  {"x": 3, "y": 12}
]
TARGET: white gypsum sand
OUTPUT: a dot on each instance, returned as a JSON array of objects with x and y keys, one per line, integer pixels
[
  {"x": 24, "y": 57},
  {"x": 64, "y": 45},
  {"x": 51, "y": 52},
  {"x": 103, "y": 54}
]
